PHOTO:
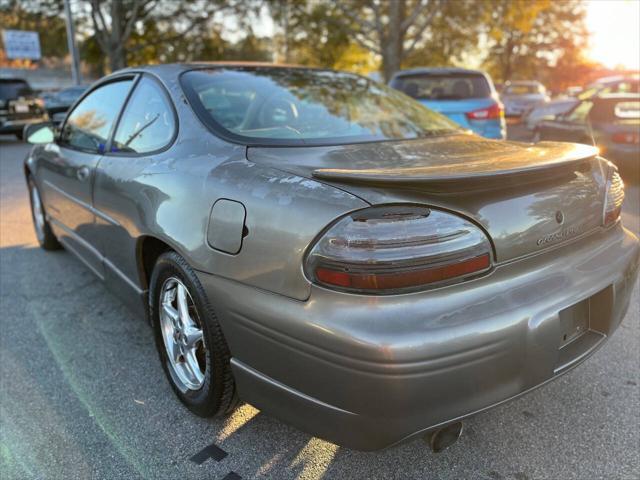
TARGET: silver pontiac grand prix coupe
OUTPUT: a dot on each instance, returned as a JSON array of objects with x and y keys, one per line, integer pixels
[{"x": 331, "y": 251}]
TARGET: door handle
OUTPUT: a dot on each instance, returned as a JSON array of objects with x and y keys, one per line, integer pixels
[{"x": 82, "y": 173}]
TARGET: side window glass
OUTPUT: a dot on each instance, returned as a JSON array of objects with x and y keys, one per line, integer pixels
[
  {"x": 89, "y": 125},
  {"x": 579, "y": 114},
  {"x": 147, "y": 123}
]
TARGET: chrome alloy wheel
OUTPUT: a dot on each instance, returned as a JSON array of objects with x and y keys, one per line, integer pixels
[
  {"x": 38, "y": 214},
  {"x": 182, "y": 334}
]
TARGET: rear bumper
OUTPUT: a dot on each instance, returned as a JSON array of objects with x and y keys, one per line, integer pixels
[
  {"x": 495, "y": 129},
  {"x": 369, "y": 372}
]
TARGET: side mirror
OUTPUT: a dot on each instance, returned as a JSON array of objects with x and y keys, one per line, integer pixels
[{"x": 37, "y": 133}]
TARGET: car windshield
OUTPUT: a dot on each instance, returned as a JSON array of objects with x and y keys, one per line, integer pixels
[
  {"x": 268, "y": 105},
  {"x": 443, "y": 87},
  {"x": 522, "y": 89},
  {"x": 10, "y": 89}
]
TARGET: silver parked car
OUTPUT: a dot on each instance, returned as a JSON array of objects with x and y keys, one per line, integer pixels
[
  {"x": 331, "y": 251},
  {"x": 521, "y": 96}
]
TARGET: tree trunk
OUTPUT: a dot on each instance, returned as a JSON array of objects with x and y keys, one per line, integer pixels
[
  {"x": 117, "y": 59},
  {"x": 393, "y": 47},
  {"x": 117, "y": 53}
]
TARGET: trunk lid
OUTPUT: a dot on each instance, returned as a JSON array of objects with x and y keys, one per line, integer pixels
[{"x": 527, "y": 197}]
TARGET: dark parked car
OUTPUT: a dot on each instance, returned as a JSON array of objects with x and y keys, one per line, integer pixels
[
  {"x": 330, "y": 250},
  {"x": 58, "y": 103},
  {"x": 19, "y": 106},
  {"x": 558, "y": 106},
  {"x": 611, "y": 122}
]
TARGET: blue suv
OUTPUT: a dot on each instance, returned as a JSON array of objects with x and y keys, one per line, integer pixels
[{"x": 467, "y": 97}]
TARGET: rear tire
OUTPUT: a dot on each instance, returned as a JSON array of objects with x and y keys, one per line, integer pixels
[
  {"x": 192, "y": 349},
  {"x": 44, "y": 234}
]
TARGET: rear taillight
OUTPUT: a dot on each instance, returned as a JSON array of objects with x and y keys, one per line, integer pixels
[
  {"x": 613, "y": 199},
  {"x": 494, "y": 111},
  {"x": 397, "y": 248},
  {"x": 626, "y": 137}
]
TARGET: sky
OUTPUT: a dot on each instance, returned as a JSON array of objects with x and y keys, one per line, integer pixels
[{"x": 615, "y": 32}]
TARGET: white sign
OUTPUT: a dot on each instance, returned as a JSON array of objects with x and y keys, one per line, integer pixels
[{"x": 21, "y": 44}]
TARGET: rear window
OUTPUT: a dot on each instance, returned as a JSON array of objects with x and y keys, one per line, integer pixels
[
  {"x": 10, "y": 89},
  {"x": 293, "y": 106},
  {"x": 443, "y": 87}
]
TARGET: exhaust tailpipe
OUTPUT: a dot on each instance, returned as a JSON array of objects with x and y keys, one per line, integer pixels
[{"x": 443, "y": 437}]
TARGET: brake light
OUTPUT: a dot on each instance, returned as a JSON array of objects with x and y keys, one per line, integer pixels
[
  {"x": 626, "y": 137},
  {"x": 613, "y": 199},
  {"x": 397, "y": 248},
  {"x": 494, "y": 111}
]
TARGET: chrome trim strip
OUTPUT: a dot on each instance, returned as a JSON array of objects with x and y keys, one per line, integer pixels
[
  {"x": 107, "y": 263},
  {"x": 85, "y": 205}
]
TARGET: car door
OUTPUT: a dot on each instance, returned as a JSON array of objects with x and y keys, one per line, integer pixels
[
  {"x": 66, "y": 170},
  {"x": 145, "y": 130}
]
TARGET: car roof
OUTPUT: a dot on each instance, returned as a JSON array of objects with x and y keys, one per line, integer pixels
[
  {"x": 523, "y": 82},
  {"x": 184, "y": 66},
  {"x": 436, "y": 71},
  {"x": 169, "y": 71}
]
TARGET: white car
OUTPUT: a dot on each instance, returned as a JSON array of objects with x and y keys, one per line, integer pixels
[{"x": 520, "y": 97}]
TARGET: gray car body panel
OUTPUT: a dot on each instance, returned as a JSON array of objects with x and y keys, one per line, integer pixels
[{"x": 360, "y": 370}]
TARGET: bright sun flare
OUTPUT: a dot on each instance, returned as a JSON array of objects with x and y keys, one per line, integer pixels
[{"x": 615, "y": 32}]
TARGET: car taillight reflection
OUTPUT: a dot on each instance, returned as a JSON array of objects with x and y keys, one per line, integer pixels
[{"x": 626, "y": 137}]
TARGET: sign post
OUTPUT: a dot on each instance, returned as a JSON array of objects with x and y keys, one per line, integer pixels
[{"x": 71, "y": 43}]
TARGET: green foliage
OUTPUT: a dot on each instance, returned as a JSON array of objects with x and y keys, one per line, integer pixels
[
  {"x": 539, "y": 39},
  {"x": 452, "y": 37},
  {"x": 314, "y": 33}
]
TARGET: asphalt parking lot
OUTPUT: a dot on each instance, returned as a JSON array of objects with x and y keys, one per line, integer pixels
[{"x": 82, "y": 394}]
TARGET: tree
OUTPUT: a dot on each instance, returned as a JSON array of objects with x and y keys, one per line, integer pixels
[
  {"x": 528, "y": 38},
  {"x": 391, "y": 29},
  {"x": 452, "y": 38},
  {"x": 153, "y": 22},
  {"x": 315, "y": 33},
  {"x": 42, "y": 16}
]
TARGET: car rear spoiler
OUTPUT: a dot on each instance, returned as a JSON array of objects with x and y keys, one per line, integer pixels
[{"x": 487, "y": 171}]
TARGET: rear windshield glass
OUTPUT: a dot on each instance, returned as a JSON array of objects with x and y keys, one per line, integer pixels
[
  {"x": 10, "y": 89},
  {"x": 266, "y": 105},
  {"x": 522, "y": 89},
  {"x": 443, "y": 87}
]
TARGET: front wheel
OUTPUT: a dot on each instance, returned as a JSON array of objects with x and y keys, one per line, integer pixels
[
  {"x": 44, "y": 234},
  {"x": 192, "y": 348}
]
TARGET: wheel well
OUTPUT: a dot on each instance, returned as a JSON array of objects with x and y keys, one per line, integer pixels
[{"x": 149, "y": 249}]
